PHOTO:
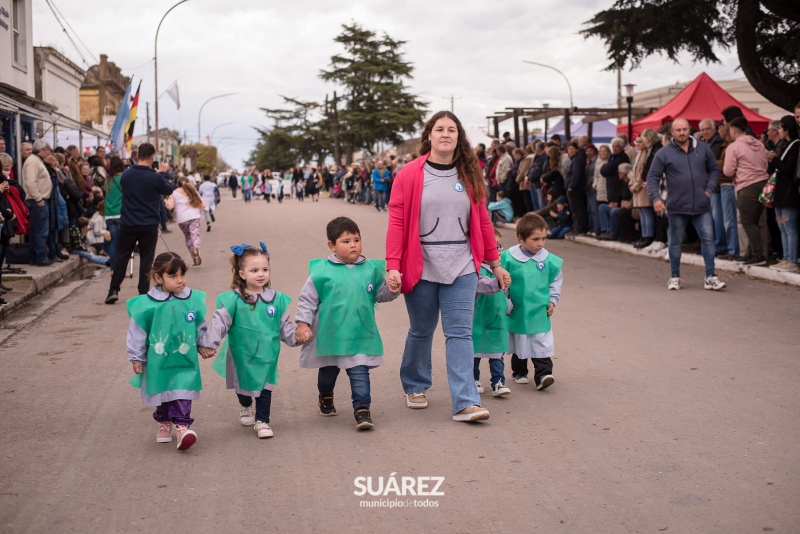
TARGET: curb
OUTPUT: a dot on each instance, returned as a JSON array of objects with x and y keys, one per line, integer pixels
[
  {"x": 759, "y": 272},
  {"x": 38, "y": 280}
]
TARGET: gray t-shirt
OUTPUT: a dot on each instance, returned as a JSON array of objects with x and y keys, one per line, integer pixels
[{"x": 444, "y": 226}]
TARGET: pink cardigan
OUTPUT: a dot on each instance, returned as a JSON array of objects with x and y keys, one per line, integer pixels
[{"x": 403, "y": 249}]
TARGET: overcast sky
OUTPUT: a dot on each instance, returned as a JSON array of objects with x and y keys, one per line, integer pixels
[{"x": 261, "y": 49}]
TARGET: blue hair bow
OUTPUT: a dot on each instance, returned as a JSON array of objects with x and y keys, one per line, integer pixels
[{"x": 239, "y": 249}]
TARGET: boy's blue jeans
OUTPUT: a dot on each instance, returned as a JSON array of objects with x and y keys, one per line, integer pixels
[{"x": 496, "y": 368}]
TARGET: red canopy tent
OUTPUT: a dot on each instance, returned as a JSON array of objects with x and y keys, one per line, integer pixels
[{"x": 701, "y": 99}]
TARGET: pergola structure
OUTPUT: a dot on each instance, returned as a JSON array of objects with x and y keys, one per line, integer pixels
[{"x": 545, "y": 113}]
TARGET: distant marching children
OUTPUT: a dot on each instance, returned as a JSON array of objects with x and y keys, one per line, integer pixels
[
  {"x": 337, "y": 307},
  {"x": 255, "y": 318},
  {"x": 162, "y": 346}
]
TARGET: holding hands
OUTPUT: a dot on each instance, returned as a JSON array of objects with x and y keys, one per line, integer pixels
[
  {"x": 206, "y": 352},
  {"x": 393, "y": 279},
  {"x": 303, "y": 333},
  {"x": 503, "y": 278}
]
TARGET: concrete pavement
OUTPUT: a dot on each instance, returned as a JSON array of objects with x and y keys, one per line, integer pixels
[{"x": 671, "y": 412}]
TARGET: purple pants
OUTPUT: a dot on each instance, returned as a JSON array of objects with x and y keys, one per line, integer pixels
[{"x": 177, "y": 411}]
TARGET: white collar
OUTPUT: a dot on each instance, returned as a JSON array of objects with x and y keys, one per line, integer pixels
[
  {"x": 156, "y": 293},
  {"x": 333, "y": 259},
  {"x": 517, "y": 254},
  {"x": 268, "y": 295}
]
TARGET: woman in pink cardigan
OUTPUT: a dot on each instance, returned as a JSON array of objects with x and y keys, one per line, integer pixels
[{"x": 439, "y": 234}]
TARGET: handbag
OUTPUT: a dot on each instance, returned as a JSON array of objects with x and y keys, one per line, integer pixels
[{"x": 768, "y": 191}]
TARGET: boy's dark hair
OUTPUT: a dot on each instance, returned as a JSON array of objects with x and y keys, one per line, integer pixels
[
  {"x": 529, "y": 223},
  {"x": 731, "y": 112},
  {"x": 168, "y": 263},
  {"x": 83, "y": 222},
  {"x": 340, "y": 226},
  {"x": 501, "y": 194},
  {"x": 740, "y": 123}
]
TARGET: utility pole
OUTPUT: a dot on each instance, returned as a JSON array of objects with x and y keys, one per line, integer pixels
[
  {"x": 452, "y": 99},
  {"x": 334, "y": 116},
  {"x": 619, "y": 87}
]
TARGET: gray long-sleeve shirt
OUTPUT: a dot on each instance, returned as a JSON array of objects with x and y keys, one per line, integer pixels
[{"x": 308, "y": 311}]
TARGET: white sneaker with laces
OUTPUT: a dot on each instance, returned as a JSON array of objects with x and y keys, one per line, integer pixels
[
  {"x": 674, "y": 284},
  {"x": 247, "y": 416},
  {"x": 714, "y": 283},
  {"x": 500, "y": 390},
  {"x": 263, "y": 430},
  {"x": 521, "y": 379},
  {"x": 479, "y": 386}
]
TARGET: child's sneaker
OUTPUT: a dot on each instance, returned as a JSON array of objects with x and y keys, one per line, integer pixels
[
  {"x": 186, "y": 437},
  {"x": 363, "y": 420},
  {"x": 326, "y": 406},
  {"x": 263, "y": 430},
  {"x": 500, "y": 389},
  {"x": 164, "y": 432},
  {"x": 479, "y": 386},
  {"x": 713, "y": 283},
  {"x": 674, "y": 284},
  {"x": 416, "y": 401},
  {"x": 521, "y": 379},
  {"x": 546, "y": 382},
  {"x": 471, "y": 414},
  {"x": 247, "y": 416}
]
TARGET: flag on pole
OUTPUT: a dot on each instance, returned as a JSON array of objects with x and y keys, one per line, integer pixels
[
  {"x": 173, "y": 93},
  {"x": 119, "y": 129},
  {"x": 132, "y": 120}
]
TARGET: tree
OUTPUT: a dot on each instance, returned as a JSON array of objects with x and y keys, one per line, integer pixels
[
  {"x": 275, "y": 150},
  {"x": 765, "y": 33},
  {"x": 204, "y": 157},
  {"x": 377, "y": 106}
]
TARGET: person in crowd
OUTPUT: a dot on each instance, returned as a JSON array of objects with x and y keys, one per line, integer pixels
[
  {"x": 614, "y": 188},
  {"x": 648, "y": 145},
  {"x": 247, "y": 186},
  {"x": 233, "y": 183},
  {"x": 563, "y": 218},
  {"x": 530, "y": 333},
  {"x": 437, "y": 262},
  {"x": 723, "y": 206},
  {"x": 69, "y": 191},
  {"x": 513, "y": 192},
  {"x": 8, "y": 219},
  {"x": 188, "y": 206},
  {"x": 599, "y": 186},
  {"x": 786, "y": 197},
  {"x": 773, "y": 148},
  {"x": 166, "y": 324},
  {"x": 113, "y": 205},
  {"x": 208, "y": 191},
  {"x": 552, "y": 177},
  {"x": 96, "y": 233},
  {"x": 256, "y": 319},
  {"x": 504, "y": 164},
  {"x": 526, "y": 202},
  {"x": 691, "y": 174},
  {"x": 534, "y": 177},
  {"x": 77, "y": 243},
  {"x": 380, "y": 182},
  {"x": 329, "y": 312},
  {"x": 593, "y": 216},
  {"x": 38, "y": 190},
  {"x": 746, "y": 163},
  {"x": 576, "y": 188},
  {"x": 267, "y": 187},
  {"x": 500, "y": 210},
  {"x": 490, "y": 328},
  {"x": 709, "y": 134},
  {"x": 86, "y": 178},
  {"x": 312, "y": 186},
  {"x": 142, "y": 188},
  {"x": 25, "y": 150},
  {"x": 629, "y": 150},
  {"x": 619, "y": 199}
]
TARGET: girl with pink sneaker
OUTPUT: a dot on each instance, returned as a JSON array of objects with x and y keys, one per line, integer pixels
[
  {"x": 162, "y": 346},
  {"x": 255, "y": 318}
]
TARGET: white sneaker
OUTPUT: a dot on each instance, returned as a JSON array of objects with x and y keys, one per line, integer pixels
[
  {"x": 674, "y": 284},
  {"x": 714, "y": 283},
  {"x": 263, "y": 430},
  {"x": 547, "y": 381},
  {"x": 660, "y": 245},
  {"x": 521, "y": 379},
  {"x": 247, "y": 416},
  {"x": 500, "y": 389},
  {"x": 471, "y": 414},
  {"x": 479, "y": 386}
]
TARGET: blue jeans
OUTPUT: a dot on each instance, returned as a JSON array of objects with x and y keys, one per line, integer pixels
[
  {"x": 726, "y": 230},
  {"x": 560, "y": 231},
  {"x": 263, "y": 404},
  {"x": 704, "y": 224},
  {"x": 359, "y": 383},
  {"x": 787, "y": 222},
  {"x": 496, "y": 368},
  {"x": 647, "y": 218},
  {"x": 609, "y": 219},
  {"x": 594, "y": 214},
  {"x": 457, "y": 303},
  {"x": 536, "y": 198},
  {"x": 112, "y": 225},
  {"x": 380, "y": 199},
  {"x": 248, "y": 194},
  {"x": 39, "y": 231}
]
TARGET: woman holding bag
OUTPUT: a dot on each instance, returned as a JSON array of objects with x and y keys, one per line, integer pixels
[{"x": 786, "y": 198}]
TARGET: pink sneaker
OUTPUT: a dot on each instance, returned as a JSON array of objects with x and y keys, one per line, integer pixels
[
  {"x": 186, "y": 437},
  {"x": 164, "y": 432}
]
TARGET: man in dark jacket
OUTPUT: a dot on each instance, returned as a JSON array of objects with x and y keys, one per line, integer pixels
[
  {"x": 692, "y": 175},
  {"x": 535, "y": 174},
  {"x": 576, "y": 188},
  {"x": 142, "y": 188}
]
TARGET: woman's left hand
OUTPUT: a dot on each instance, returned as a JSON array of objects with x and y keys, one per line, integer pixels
[{"x": 503, "y": 278}]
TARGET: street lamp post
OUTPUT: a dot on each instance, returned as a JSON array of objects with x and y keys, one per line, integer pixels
[
  {"x": 155, "y": 61},
  {"x": 571, "y": 105},
  {"x": 211, "y": 135},
  {"x": 199, "y": 113},
  {"x": 629, "y": 99}
]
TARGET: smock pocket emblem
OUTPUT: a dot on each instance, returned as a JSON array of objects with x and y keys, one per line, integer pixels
[
  {"x": 458, "y": 186},
  {"x": 271, "y": 311},
  {"x": 540, "y": 265},
  {"x": 190, "y": 317},
  {"x": 370, "y": 287}
]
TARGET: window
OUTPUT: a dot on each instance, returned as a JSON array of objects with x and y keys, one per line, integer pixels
[{"x": 18, "y": 31}]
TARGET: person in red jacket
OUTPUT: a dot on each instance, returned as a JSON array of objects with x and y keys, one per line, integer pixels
[{"x": 439, "y": 233}]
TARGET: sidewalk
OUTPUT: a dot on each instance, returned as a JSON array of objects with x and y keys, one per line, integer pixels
[
  {"x": 38, "y": 279},
  {"x": 762, "y": 272}
]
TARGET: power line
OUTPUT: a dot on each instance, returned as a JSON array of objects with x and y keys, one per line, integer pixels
[
  {"x": 94, "y": 56},
  {"x": 67, "y": 33}
]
